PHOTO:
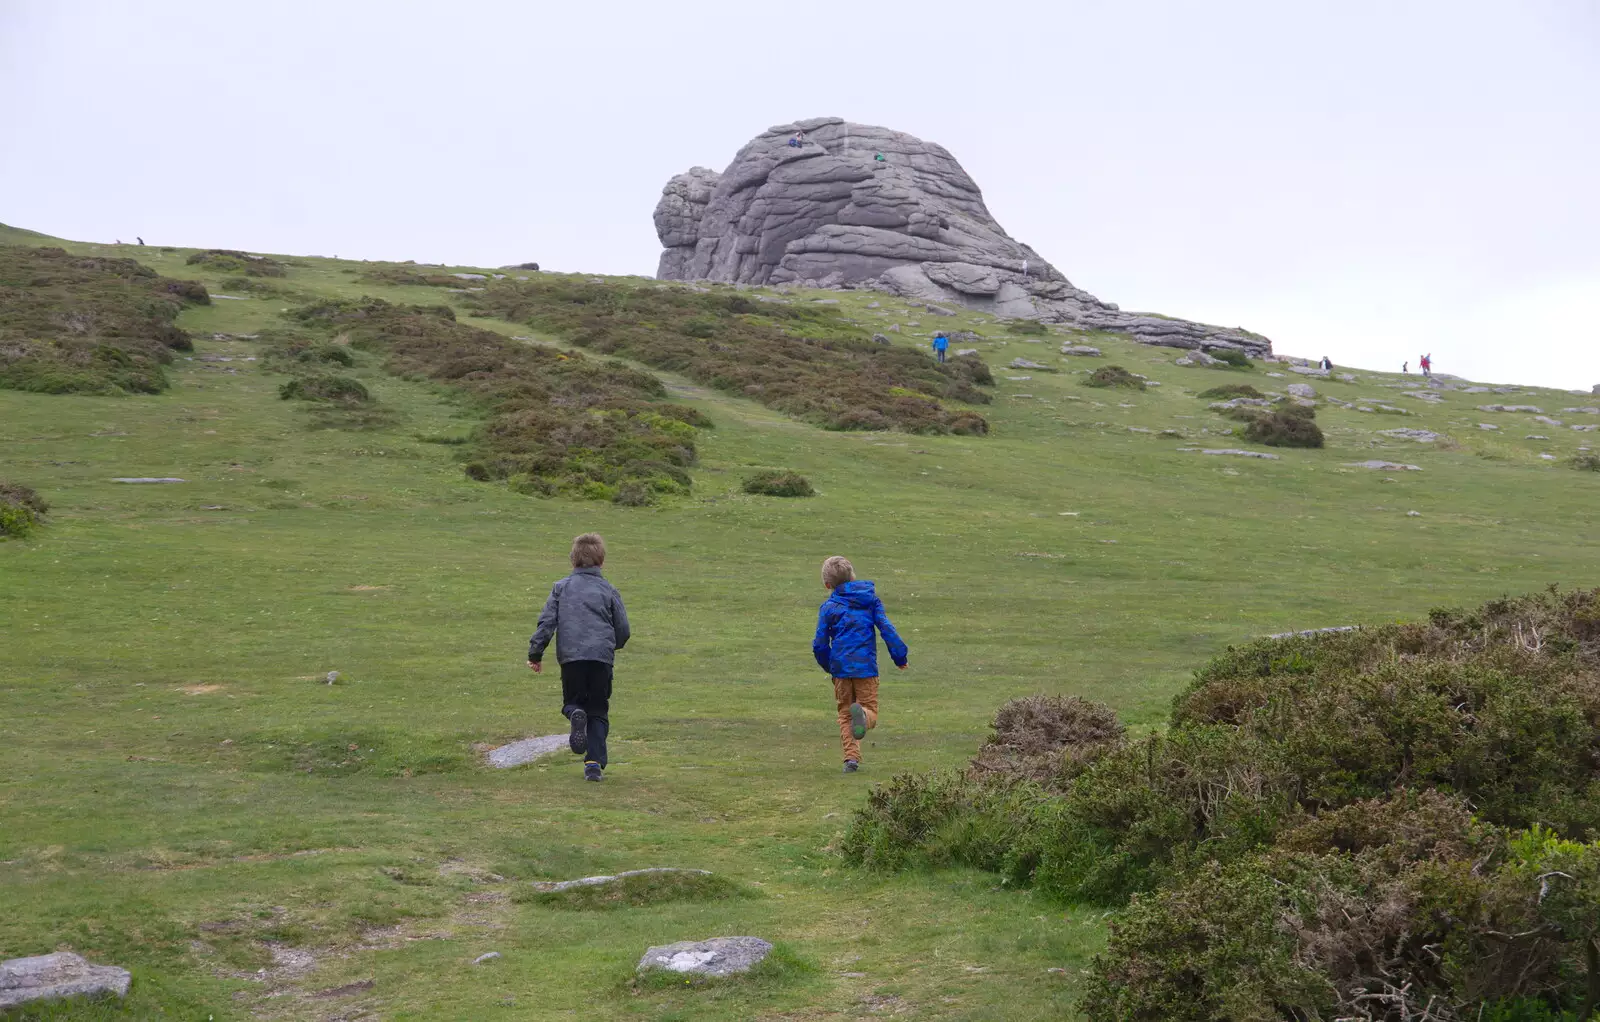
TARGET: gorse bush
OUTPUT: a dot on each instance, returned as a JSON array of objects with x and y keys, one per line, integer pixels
[
  {"x": 1231, "y": 390},
  {"x": 1285, "y": 426},
  {"x": 802, "y": 360},
  {"x": 781, "y": 483},
  {"x": 1231, "y": 356},
  {"x": 21, "y": 509},
  {"x": 225, "y": 260},
  {"x": 1586, "y": 462},
  {"x": 1026, "y": 327},
  {"x": 559, "y": 422},
  {"x": 81, "y": 325},
  {"x": 1344, "y": 825},
  {"x": 326, "y": 387},
  {"x": 1113, "y": 376}
]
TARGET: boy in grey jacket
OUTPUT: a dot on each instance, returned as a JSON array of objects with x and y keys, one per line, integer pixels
[{"x": 586, "y": 616}]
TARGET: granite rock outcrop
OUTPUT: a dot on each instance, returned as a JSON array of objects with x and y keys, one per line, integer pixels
[{"x": 861, "y": 206}]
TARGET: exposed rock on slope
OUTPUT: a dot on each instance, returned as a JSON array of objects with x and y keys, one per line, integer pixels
[{"x": 830, "y": 213}]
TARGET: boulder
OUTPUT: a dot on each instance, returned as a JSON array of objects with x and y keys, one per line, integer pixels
[
  {"x": 1421, "y": 436},
  {"x": 1487, "y": 425},
  {"x": 882, "y": 339},
  {"x": 963, "y": 351},
  {"x": 719, "y": 956},
  {"x": 1511, "y": 408},
  {"x": 62, "y": 974},
  {"x": 828, "y": 214},
  {"x": 1545, "y": 420},
  {"x": 1197, "y": 358},
  {"x": 1301, "y": 390},
  {"x": 1023, "y": 363},
  {"x": 1081, "y": 349}
]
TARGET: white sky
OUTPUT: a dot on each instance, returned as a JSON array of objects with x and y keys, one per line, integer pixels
[{"x": 1367, "y": 179}]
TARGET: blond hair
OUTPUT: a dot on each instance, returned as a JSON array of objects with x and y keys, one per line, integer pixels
[
  {"x": 588, "y": 551},
  {"x": 837, "y": 571}
]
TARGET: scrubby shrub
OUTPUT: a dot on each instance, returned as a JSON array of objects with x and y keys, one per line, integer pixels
[
  {"x": 780, "y": 483},
  {"x": 1048, "y": 739},
  {"x": 1343, "y": 825},
  {"x": 1231, "y": 390},
  {"x": 804, "y": 360},
  {"x": 1286, "y": 426},
  {"x": 1586, "y": 462},
  {"x": 1232, "y": 356},
  {"x": 226, "y": 260},
  {"x": 1113, "y": 376},
  {"x": 325, "y": 387},
  {"x": 558, "y": 421},
  {"x": 21, "y": 509},
  {"x": 87, "y": 325}
]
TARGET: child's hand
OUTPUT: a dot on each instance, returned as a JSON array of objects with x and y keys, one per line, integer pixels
[{"x": 537, "y": 667}]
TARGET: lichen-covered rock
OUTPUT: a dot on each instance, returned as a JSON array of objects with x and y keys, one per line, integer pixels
[
  {"x": 63, "y": 974},
  {"x": 719, "y": 956},
  {"x": 830, "y": 213}
]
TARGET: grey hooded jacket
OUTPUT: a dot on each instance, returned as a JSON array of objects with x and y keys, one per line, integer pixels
[{"x": 585, "y": 615}]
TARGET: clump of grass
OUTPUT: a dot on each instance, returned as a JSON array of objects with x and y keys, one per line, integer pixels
[
  {"x": 559, "y": 422},
  {"x": 227, "y": 260},
  {"x": 637, "y": 891},
  {"x": 1232, "y": 357},
  {"x": 803, "y": 360},
  {"x": 87, "y": 325},
  {"x": 1231, "y": 390},
  {"x": 1026, "y": 327},
  {"x": 326, "y": 387},
  {"x": 1285, "y": 426},
  {"x": 21, "y": 509},
  {"x": 780, "y": 483},
  {"x": 1113, "y": 376}
]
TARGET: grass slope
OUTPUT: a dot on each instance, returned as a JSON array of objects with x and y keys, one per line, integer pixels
[{"x": 183, "y": 795}]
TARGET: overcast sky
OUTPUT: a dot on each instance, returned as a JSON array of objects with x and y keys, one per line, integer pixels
[{"x": 1366, "y": 180}]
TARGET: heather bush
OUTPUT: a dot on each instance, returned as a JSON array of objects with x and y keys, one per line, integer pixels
[
  {"x": 21, "y": 509},
  {"x": 1113, "y": 376},
  {"x": 1232, "y": 357},
  {"x": 802, "y": 360},
  {"x": 780, "y": 483},
  {"x": 1026, "y": 327},
  {"x": 1231, "y": 390},
  {"x": 226, "y": 260},
  {"x": 325, "y": 387},
  {"x": 87, "y": 325},
  {"x": 1285, "y": 426}
]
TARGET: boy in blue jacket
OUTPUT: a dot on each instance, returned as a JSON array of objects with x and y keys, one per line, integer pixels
[{"x": 847, "y": 648}]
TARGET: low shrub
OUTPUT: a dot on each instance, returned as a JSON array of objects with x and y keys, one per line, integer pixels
[
  {"x": 1586, "y": 462},
  {"x": 21, "y": 509},
  {"x": 325, "y": 387},
  {"x": 1286, "y": 426},
  {"x": 803, "y": 360},
  {"x": 1231, "y": 390},
  {"x": 559, "y": 422},
  {"x": 1113, "y": 376},
  {"x": 1048, "y": 739},
  {"x": 781, "y": 483},
  {"x": 88, "y": 325},
  {"x": 226, "y": 260},
  {"x": 1026, "y": 327},
  {"x": 1232, "y": 356}
]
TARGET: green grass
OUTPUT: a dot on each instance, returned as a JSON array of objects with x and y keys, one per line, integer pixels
[{"x": 179, "y": 787}]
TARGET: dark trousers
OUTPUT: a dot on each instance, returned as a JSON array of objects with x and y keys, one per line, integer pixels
[
  {"x": 586, "y": 685},
  {"x": 940, "y": 353}
]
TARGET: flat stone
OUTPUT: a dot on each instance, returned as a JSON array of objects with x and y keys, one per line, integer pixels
[
  {"x": 1487, "y": 425},
  {"x": 470, "y": 276},
  {"x": 1386, "y": 466},
  {"x": 1240, "y": 453},
  {"x": 1301, "y": 390},
  {"x": 1511, "y": 408},
  {"x": 1421, "y": 436},
  {"x": 1081, "y": 349},
  {"x": 526, "y": 751},
  {"x": 62, "y": 974},
  {"x": 148, "y": 479},
  {"x": 1316, "y": 631},
  {"x": 552, "y": 886},
  {"x": 719, "y": 956},
  {"x": 231, "y": 298}
]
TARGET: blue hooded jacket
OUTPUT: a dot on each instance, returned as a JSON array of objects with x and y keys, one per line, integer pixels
[
  {"x": 845, "y": 645},
  {"x": 941, "y": 342}
]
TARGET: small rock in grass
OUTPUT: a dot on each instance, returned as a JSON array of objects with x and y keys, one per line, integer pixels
[
  {"x": 1413, "y": 514},
  {"x": 719, "y": 956},
  {"x": 1487, "y": 425},
  {"x": 491, "y": 956},
  {"x": 332, "y": 677},
  {"x": 63, "y": 974},
  {"x": 1535, "y": 436},
  {"x": 1240, "y": 453},
  {"x": 1386, "y": 466},
  {"x": 147, "y": 479},
  {"x": 526, "y": 751}
]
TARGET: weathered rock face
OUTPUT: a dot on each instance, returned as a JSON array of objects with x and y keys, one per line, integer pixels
[
  {"x": 63, "y": 974},
  {"x": 829, "y": 213}
]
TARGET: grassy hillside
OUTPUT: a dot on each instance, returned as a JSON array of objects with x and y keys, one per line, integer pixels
[{"x": 184, "y": 795}]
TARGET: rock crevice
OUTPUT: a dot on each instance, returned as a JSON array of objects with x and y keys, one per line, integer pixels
[{"x": 830, "y": 213}]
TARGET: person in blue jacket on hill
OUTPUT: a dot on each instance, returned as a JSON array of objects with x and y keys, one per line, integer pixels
[
  {"x": 940, "y": 342},
  {"x": 846, "y": 646}
]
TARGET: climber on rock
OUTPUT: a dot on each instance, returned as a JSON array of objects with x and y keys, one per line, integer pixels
[{"x": 797, "y": 140}]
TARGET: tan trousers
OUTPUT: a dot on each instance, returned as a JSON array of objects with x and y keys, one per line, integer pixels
[{"x": 855, "y": 690}]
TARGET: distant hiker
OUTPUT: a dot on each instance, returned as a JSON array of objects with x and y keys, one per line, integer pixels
[
  {"x": 586, "y": 616},
  {"x": 846, "y": 646},
  {"x": 138, "y": 239},
  {"x": 797, "y": 140},
  {"x": 880, "y": 158},
  {"x": 1326, "y": 365},
  {"x": 1405, "y": 367},
  {"x": 940, "y": 344},
  {"x": 1427, "y": 364}
]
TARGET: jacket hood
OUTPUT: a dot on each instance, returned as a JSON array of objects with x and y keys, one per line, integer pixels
[{"x": 859, "y": 595}]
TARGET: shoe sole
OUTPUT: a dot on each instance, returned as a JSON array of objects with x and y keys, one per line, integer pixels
[
  {"x": 858, "y": 721},
  {"x": 597, "y": 776},
  {"x": 578, "y": 740}
]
